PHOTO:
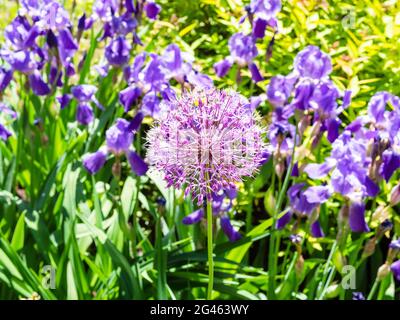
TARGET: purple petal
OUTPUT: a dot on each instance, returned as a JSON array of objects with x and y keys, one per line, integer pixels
[
  {"x": 228, "y": 229},
  {"x": 318, "y": 194},
  {"x": 316, "y": 230},
  {"x": 64, "y": 100},
  {"x": 391, "y": 162},
  {"x": 39, "y": 87},
  {"x": 284, "y": 220},
  {"x": 129, "y": 96},
  {"x": 194, "y": 217},
  {"x": 371, "y": 187},
  {"x": 222, "y": 68},
  {"x": 4, "y": 133},
  {"x": 318, "y": 171},
  {"x": 333, "y": 129},
  {"x": 255, "y": 73},
  {"x": 259, "y": 27},
  {"x": 5, "y": 78},
  {"x": 152, "y": 9},
  {"x": 93, "y": 162},
  {"x": 136, "y": 122},
  {"x": 84, "y": 114},
  {"x": 137, "y": 164},
  {"x": 395, "y": 268},
  {"x": 357, "y": 217}
]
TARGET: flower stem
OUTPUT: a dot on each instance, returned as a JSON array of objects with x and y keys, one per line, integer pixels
[
  {"x": 210, "y": 250},
  {"x": 373, "y": 289}
]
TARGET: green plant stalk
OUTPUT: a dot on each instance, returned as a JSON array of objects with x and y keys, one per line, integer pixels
[
  {"x": 272, "y": 252},
  {"x": 210, "y": 251},
  {"x": 373, "y": 289}
]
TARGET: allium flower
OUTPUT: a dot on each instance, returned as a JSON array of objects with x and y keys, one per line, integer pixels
[{"x": 207, "y": 141}]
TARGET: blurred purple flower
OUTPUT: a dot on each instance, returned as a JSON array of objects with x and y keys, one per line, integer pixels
[{"x": 311, "y": 62}]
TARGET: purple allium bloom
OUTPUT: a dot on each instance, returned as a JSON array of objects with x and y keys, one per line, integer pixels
[
  {"x": 311, "y": 62},
  {"x": 228, "y": 229},
  {"x": 395, "y": 268},
  {"x": 117, "y": 52},
  {"x": 84, "y": 113},
  {"x": 118, "y": 137},
  {"x": 358, "y": 296},
  {"x": 93, "y": 162},
  {"x": 357, "y": 217},
  {"x": 152, "y": 9},
  {"x": 194, "y": 217},
  {"x": 208, "y": 140}
]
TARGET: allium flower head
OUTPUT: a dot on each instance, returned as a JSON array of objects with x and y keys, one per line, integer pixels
[{"x": 207, "y": 141}]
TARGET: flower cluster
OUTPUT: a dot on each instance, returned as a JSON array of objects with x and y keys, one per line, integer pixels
[
  {"x": 242, "y": 47},
  {"x": 117, "y": 27},
  {"x": 207, "y": 141},
  {"x": 45, "y": 19},
  {"x": 150, "y": 81},
  {"x": 119, "y": 138}
]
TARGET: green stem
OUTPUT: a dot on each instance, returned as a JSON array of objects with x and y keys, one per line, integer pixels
[
  {"x": 273, "y": 251},
  {"x": 373, "y": 289},
  {"x": 210, "y": 250}
]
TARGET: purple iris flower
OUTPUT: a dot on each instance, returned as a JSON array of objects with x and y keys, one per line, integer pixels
[
  {"x": 5, "y": 78},
  {"x": 152, "y": 9},
  {"x": 93, "y": 162},
  {"x": 395, "y": 268},
  {"x": 312, "y": 63},
  {"x": 194, "y": 217},
  {"x": 84, "y": 94},
  {"x": 104, "y": 9},
  {"x": 358, "y": 296},
  {"x": 264, "y": 14},
  {"x": 117, "y": 52},
  {"x": 119, "y": 138},
  {"x": 357, "y": 221},
  {"x": 228, "y": 229},
  {"x": 242, "y": 51}
]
